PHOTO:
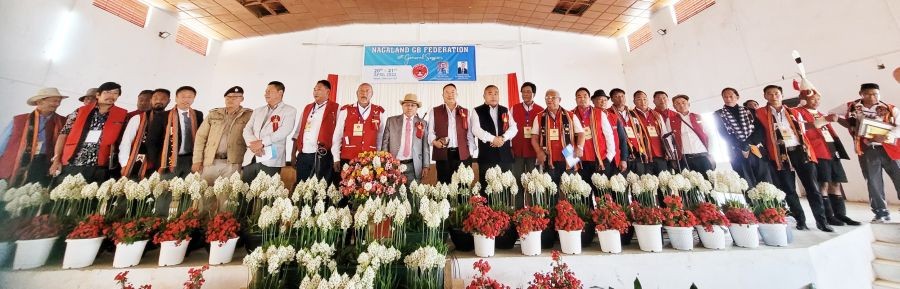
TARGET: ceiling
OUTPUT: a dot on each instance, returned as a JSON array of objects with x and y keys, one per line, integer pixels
[{"x": 229, "y": 19}]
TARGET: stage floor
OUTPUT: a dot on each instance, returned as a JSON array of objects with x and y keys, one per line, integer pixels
[{"x": 830, "y": 260}]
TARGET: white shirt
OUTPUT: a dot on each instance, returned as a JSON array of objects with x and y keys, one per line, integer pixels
[
  {"x": 576, "y": 126},
  {"x": 486, "y": 136},
  {"x": 403, "y": 137},
  {"x": 451, "y": 131},
  {"x": 128, "y": 138},
  {"x": 690, "y": 142},
  {"x": 781, "y": 123},
  {"x": 608, "y": 135},
  {"x": 337, "y": 138},
  {"x": 310, "y": 137}
]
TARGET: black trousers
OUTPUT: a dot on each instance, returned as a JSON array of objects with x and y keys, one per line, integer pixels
[
  {"x": 656, "y": 166},
  {"x": 587, "y": 171},
  {"x": 35, "y": 170},
  {"x": 91, "y": 174},
  {"x": 249, "y": 172},
  {"x": 182, "y": 168},
  {"x": 753, "y": 169},
  {"x": 636, "y": 166},
  {"x": 312, "y": 164},
  {"x": 697, "y": 162},
  {"x": 446, "y": 168},
  {"x": 785, "y": 180}
]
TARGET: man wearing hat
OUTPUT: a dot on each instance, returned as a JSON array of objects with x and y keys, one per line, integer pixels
[
  {"x": 140, "y": 147},
  {"x": 493, "y": 129},
  {"x": 358, "y": 129},
  {"x": 27, "y": 143},
  {"x": 219, "y": 148},
  {"x": 89, "y": 97},
  {"x": 618, "y": 136},
  {"x": 404, "y": 137},
  {"x": 87, "y": 141},
  {"x": 599, "y": 142}
]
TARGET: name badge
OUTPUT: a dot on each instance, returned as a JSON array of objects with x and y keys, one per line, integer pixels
[
  {"x": 527, "y": 132},
  {"x": 554, "y": 134},
  {"x": 93, "y": 136},
  {"x": 629, "y": 131},
  {"x": 308, "y": 125},
  {"x": 651, "y": 130},
  {"x": 357, "y": 129},
  {"x": 786, "y": 134},
  {"x": 587, "y": 133},
  {"x": 827, "y": 134}
]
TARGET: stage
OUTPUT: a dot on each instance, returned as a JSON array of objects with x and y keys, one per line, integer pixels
[{"x": 829, "y": 260}]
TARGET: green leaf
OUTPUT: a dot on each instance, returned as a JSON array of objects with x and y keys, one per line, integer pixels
[{"x": 637, "y": 283}]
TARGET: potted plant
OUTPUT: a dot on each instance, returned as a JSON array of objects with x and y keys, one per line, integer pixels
[
  {"x": 766, "y": 200},
  {"x": 482, "y": 281},
  {"x": 712, "y": 226},
  {"x": 131, "y": 237},
  {"x": 617, "y": 187},
  {"x": 425, "y": 268},
  {"x": 569, "y": 226},
  {"x": 578, "y": 193},
  {"x": 500, "y": 190},
  {"x": 462, "y": 187},
  {"x": 559, "y": 277},
  {"x": 484, "y": 224},
  {"x": 174, "y": 235},
  {"x": 540, "y": 188},
  {"x": 647, "y": 226},
  {"x": 744, "y": 228},
  {"x": 222, "y": 235},
  {"x": 679, "y": 223},
  {"x": 35, "y": 239},
  {"x": 611, "y": 223},
  {"x": 83, "y": 243},
  {"x": 530, "y": 222}
]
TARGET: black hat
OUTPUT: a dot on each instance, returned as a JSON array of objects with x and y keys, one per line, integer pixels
[
  {"x": 599, "y": 93},
  {"x": 235, "y": 89}
]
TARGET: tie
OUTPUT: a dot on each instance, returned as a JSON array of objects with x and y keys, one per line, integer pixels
[
  {"x": 407, "y": 143},
  {"x": 186, "y": 137}
]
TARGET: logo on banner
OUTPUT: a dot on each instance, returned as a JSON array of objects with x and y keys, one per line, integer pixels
[{"x": 420, "y": 71}]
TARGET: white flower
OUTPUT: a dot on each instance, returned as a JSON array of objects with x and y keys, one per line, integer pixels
[
  {"x": 425, "y": 258},
  {"x": 600, "y": 181},
  {"x": 649, "y": 183},
  {"x": 255, "y": 259},
  {"x": 617, "y": 183}
]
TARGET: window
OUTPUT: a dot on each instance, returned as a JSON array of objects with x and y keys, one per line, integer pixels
[
  {"x": 572, "y": 7},
  {"x": 131, "y": 10},
  {"x": 639, "y": 37},
  {"x": 685, "y": 9},
  {"x": 192, "y": 40}
]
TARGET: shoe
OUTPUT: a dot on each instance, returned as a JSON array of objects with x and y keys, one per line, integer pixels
[
  {"x": 840, "y": 210},
  {"x": 848, "y": 220},
  {"x": 834, "y": 221},
  {"x": 881, "y": 219},
  {"x": 824, "y": 227},
  {"x": 830, "y": 212},
  {"x": 802, "y": 227}
]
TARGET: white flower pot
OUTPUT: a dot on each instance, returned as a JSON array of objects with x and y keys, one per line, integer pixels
[
  {"x": 221, "y": 252},
  {"x": 81, "y": 253},
  {"x": 715, "y": 239},
  {"x": 745, "y": 235},
  {"x": 128, "y": 255},
  {"x": 6, "y": 249},
  {"x": 32, "y": 253},
  {"x": 570, "y": 241},
  {"x": 649, "y": 237},
  {"x": 610, "y": 241},
  {"x": 171, "y": 253},
  {"x": 531, "y": 244},
  {"x": 682, "y": 238},
  {"x": 774, "y": 234},
  {"x": 484, "y": 246}
]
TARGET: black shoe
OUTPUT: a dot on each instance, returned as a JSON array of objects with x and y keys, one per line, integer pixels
[
  {"x": 802, "y": 226},
  {"x": 834, "y": 221},
  {"x": 847, "y": 220},
  {"x": 824, "y": 227}
]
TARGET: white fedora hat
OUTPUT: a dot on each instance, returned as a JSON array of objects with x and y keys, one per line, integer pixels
[{"x": 44, "y": 93}]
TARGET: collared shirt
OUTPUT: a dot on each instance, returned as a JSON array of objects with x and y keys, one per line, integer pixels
[
  {"x": 404, "y": 138},
  {"x": 690, "y": 142},
  {"x": 337, "y": 137},
  {"x": 88, "y": 153},
  {"x": 128, "y": 137},
  {"x": 314, "y": 123},
  {"x": 185, "y": 131},
  {"x": 451, "y": 126},
  {"x": 42, "y": 137},
  {"x": 783, "y": 126},
  {"x": 486, "y": 136},
  {"x": 576, "y": 125}
]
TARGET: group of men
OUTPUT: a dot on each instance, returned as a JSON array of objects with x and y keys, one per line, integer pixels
[{"x": 772, "y": 143}]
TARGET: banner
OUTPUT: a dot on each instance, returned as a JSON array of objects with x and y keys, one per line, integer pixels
[{"x": 413, "y": 63}]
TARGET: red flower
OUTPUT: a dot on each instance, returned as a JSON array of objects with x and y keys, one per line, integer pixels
[
  {"x": 484, "y": 220},
  {"x": 709, "y": 215},
  {"x": 740, "y": 215},
  {"x": 93, "y": 226},
  {"x": 609, "y": 215},
  {"x": 567, "y": 218},
  {"x": 122, "y": 280},
  {"x": 530, "y": 219},
  {"x": 179, "y": 229},
  {"x": 645, "y": 216},
  {"x": 558, "y": 277},
  {"x": 40, "y": 227},
  {"x": 482, "y": 281},
  {"x": 133, "y": 230},
  {"x": 772, "y": 216},
  {"x": 222, "y": 227},
  {"x": 195, "y": 278},
  {"x": 674, "y": 215}
]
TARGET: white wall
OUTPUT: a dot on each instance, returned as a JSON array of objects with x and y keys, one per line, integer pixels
[
  {"x": 562, "y": 61},
  {"x": 748, "y": 44},
  {"x": 94, "y": 47}
]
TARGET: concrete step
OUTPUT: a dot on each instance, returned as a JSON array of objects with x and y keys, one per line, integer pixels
[
  {"x": 886, "y": 251},
  {"x": 887, "y": 270},
  {"x": 888, "y": 233},
  {"x": 885, "y": 284}
]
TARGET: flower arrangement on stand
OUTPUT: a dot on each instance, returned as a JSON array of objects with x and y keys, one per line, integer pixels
[
  {"x": 569, "y": 226},
  {"x": 559, "y": 277},
  {"x": 711, "y": 226},
  {"x": 482, "y": 281},
  {"x": 530, "y": 222},
  {"x": 372, "y": 174},
  {"x": 679, "y": 223},
  {"x": 174, "y": 236},
  {"x": 766, "y": 201},
  {"x": 610, "y": 223},
  {"x": 425, "y": 268},
  {"x": 484, "y": 224}
]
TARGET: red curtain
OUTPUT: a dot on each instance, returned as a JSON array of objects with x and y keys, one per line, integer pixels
[
  {"x": 512, "y": 86},
  {"x": 333, "y": 78}
]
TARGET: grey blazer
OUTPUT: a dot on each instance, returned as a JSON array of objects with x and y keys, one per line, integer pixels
[{"x": 392, "y": 139}]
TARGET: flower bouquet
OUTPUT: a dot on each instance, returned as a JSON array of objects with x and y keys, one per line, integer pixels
[
  {"x": 766, "y": 201},
  {"x": 425, "y": 268},
  {"x": 530, "y": 222},
  {"x": 371, "y": 174},
  {"x": 569, "y": 226},
  {"x": 484, "y": 224},
  {"x": 610, "y": 222},
  {"x": 482, "y": 281},
  {"x": 559, "y": 277}
]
